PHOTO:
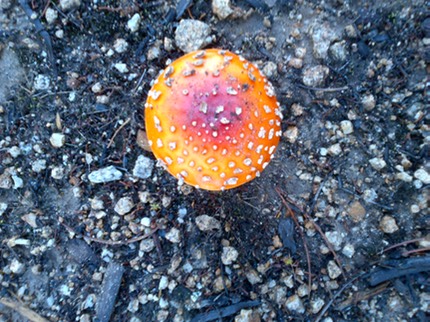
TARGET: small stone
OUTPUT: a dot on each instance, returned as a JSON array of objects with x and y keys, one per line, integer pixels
[
  {"x": 403, "y": 176},
  {"x": 335, "y": 238},
  {"x": 57, "y": 140},
  {"x": 415, "y": 209},
  {"x": 333, "y": 270},
  {"x": 14, "y": 151},
  {"x": 17, "y": 181},
  {"x": 347, "y": 127},
  {"x": 147, "y": 245},
  {"x": 41, "y": 82},
  {"x": 350, "y": 31},
  {"x": 252, "y": 276},
  {"x": 3, "y": 207},
  {"x": 17, "y": 267},
  {"x": 174, "y": 235},
  {"x": 66, "y": 5},
  {"x": 192, "y": 35},
  {"x": 162, "y": 315},
  {"x": 124, "y": 205},
  {"x": 97, "y": 88},
  {"x": 222, "y": 8},
  {"x": 338, "y": 51},
  {"x": 57, "y": 173},
  {"x": 143, "y": 167},
  {"x": 422, "y": 175},
  {"x": 368, "y": 102},
  {"x": 303, "y": 290},
  {"x": 133, "y": 306},
  {"x": 164, "y": 282},
  {"x": 229, "y": 255},
  {"x": 51, "y": 15},
  {"x": 38, "y": 165},
  {"x": 357, "y": 211},
  {"x": 134, "y": 22},
  {"x": 168, "y": 44},
  {"x": 206, "y": 223},
  {"x": 316, "y": 305},
  {"x": 335, "y": 149},
  {"x": 300, "y": 52},
  {"x": 388, "y": 225},
  {"x": 322, "y": 36},
  {"x": 247, "y": 316},
  {"x": 270, "y": 69},
  {"x": 30, "y": 219},
  {"x": 377, "y": 163},
  {"x": 121, "y": 67},
  {"x": 348, "y": 250},
  {"x": 97, "y": 204},
  {"x": 154, "y": 51},
  {"x": 315, "y": 76},
  {"x": 146, "y": 221},
  {"x": 5, "y": 181},
  {"x": 291, "y": 134},
  {"x": 104, "y": 175},
  {"x": 296, "y": 63},
  {"x": 120, "y": 45},
  {"x": 297, "y": 109},
  {"x": 295, "y": 304}
]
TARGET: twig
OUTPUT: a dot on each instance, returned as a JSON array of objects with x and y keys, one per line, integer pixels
[
  {"x": 413, "y": 251},
  {"x": 23, "y": 310},
  {"x": 320, "y": 89},
  {"x": 117, "y": 131},
  {"x": 302, "y": 235},
  {"x": 403, "y": 244}
]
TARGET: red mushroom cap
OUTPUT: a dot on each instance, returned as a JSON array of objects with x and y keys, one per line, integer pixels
[{"x": 213, "y": 119}]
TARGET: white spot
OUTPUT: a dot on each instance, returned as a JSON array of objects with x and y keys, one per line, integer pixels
[
  {"x": 210, "y": 160},
  {"x": 184, "y": 173},
  {"x": 224, "y": 152},
  {"x": 199, "y": 169},
  {"x": 238, "y": 110},
  {"x": 216, "y": 73},
  {"x": 251, "y": 76},
  {"x": 271, "y": 134},
  {"x": 157, "y": 124},
  {"x": 169, "y": 71},
  {"x": 192, "y": 164},
  {"x": 214, "y": 134},
  {"x": 237, "y": 153},
  {"x": 172, "y": 145},
  {"x": 187, "y": 73},
  {"x": 234, "y": 141},
  {"x": 259, "y": 148},
  {"x": 185, "y": 152},
  {"x": 272, "y": 149},
  {"x": 248, "y": 177},
  {"x": 203, "y": 107},
  {"x": 278, "y": 133},
  {"x": 198, "y": 62},
  {"x": 215, "y": 147},
  {"x": 150, "y": 142},
  {"x": 185, "y": 92},
  {"x": 206, "y": 179},
  {"x": 222, "y": 175},
  {"x": 227, "y": 59},
  {"x": 267, "y": 109},
  {"x": 269, "y": 90},
  {"x": 154, "y": 94},
  {"x": 193, "y": 123},
  {"x": 257, "y": 174},
  {"x": 180, "y": 160},
  {"x": 278, "y": 123},
  {"x": 196, "y": 149},
  {"x": 184, "y": 127},
  {"x": 168, "y": 160},
  {"x": 278, "y": 113},
  {"x": 200, "y": 54},
  {"x": 242, "y": 135},
  {"x": 172, "y": 129},
  {"x": 238, "y": 171},
  {"x": 250, "y": 145},
  {"x": 204, "y": 152},
  {"x": 247, "y": 162},
  {"x": 159, "y": 143},
  {"x": 231, "y": 164},
  {"x": 231, "y": 181},
  {"x": 265, "y": 165},
  {"x": 250, "y": 126},
  {"x": 260, "y": 159},
  {"x": 219, "y": 109},
  {"x": 271, "y": 122},
  {"x": 199, "y": 133},
  {"x": 256, "y": 113},
  {"x": 262, "y": 133},
  {"x": 231, "y": 91},
  {"x": 216, "y": 168}
]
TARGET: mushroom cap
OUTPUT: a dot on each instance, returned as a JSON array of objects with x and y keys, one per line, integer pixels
[{"x": 213, "y": 120}]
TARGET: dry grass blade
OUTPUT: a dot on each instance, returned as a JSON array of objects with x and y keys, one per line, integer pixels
[{"x": 23, "y": 310}]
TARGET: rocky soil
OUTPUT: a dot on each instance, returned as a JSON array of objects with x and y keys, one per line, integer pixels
[{"x": 336, "y": 228}]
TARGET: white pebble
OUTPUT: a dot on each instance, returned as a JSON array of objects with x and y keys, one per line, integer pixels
[
  {"x": 335, "y": 149},
  {"x": 348, "y": 250},
  {"x": 120, "y": 45},
  {"x": 41, "y": 82},
  {"x": 377, "y": 163},
  {"x": 295, "y": 304},
  {"x": 143, "y": 167},
  {"x": 388, "y": 225},
  {"x": 333, "y": 270},
  {"x": 205, "y": 223},
  {"x": 57, "y": 173},
  {"x": 229, "y": 255},
  {"x": 422, "y": 175},
  {"x": 38, "y": 165},
  {"x": 134, "y": 22},
  {"x": 124, "y": 205},
  {"x": 174, "y": 235},
  {"x": 57, "y": 140},
  {"x": 104, "y": 175},
  {"x": 346, "y": 127},
  {"x": 121, "y": 67}
]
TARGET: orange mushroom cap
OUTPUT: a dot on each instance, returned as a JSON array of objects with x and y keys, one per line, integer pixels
[{"x": 213, "y": 119}]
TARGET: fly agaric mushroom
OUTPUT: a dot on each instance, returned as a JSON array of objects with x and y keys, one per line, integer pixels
[{"x": 213, "y": 120}]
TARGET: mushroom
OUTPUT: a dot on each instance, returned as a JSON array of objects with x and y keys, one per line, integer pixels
[{"x": 213, "y": 120}]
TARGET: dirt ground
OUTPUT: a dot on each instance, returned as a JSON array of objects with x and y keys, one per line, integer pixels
[{"x": 336, "y": 228}]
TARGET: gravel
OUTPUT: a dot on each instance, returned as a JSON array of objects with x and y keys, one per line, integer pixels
[
  {"x": 192, "y": 35},
  {"x": 104, "y": 175}
]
